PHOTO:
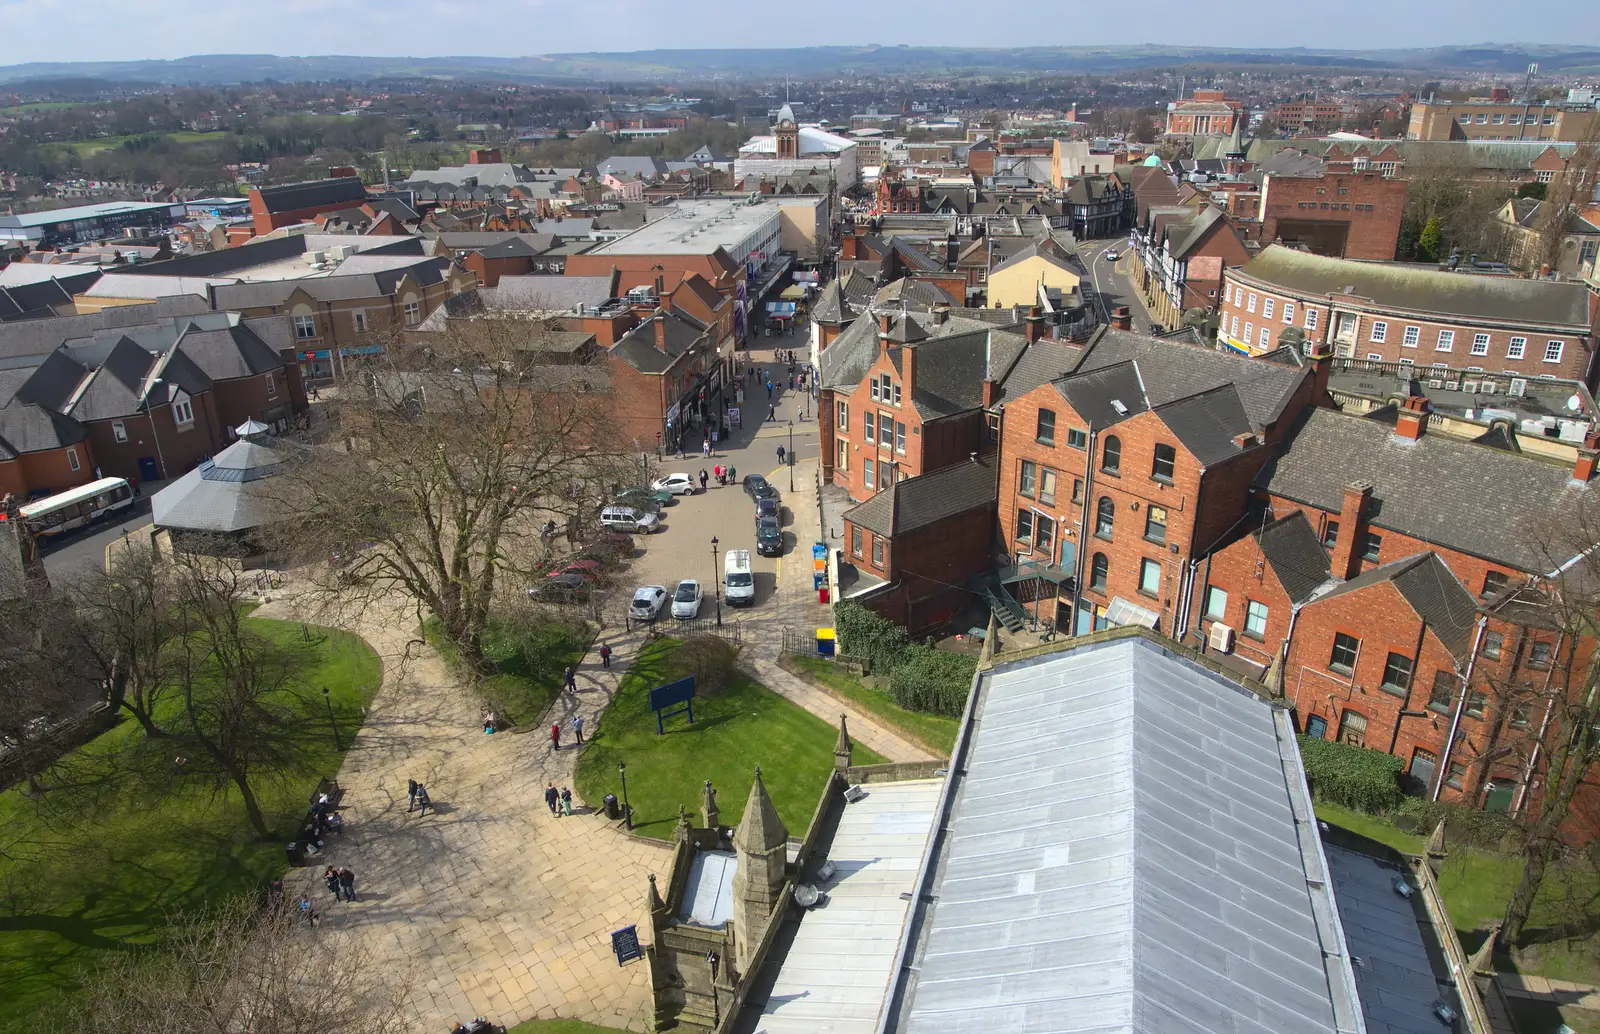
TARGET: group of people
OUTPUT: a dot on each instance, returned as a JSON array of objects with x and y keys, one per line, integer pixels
[
  {"x": 577, "y": 732},
  {"x": 341, "y": 883},
  {"x": 559, "y": 801},
  {"x": 725, "y": 475},
  {"x": 417, "y": 797}
]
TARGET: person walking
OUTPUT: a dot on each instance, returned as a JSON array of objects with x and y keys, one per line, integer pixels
[
  {"x": 331, "y": 878},
  {"x": 769, "y": 390},
  {"x": 411, "y": 795},
  {"x": 566, "y": 800},
  {"x": 772, "y": 412},
  {"x": 555, "y": 736},
  {"x": 347, "y": 881},
  {"x": 422, "y": 800},
  {"x": 577, "y": 728},
  {"x": 550, "y": 797},
  {"x": 571, "y": 680},
  {"x": 733, "y": 476},
  {"x": 605, "y": 656},
  {"x": 704, "y": 480},
  {"x": 780, "y": 455}
]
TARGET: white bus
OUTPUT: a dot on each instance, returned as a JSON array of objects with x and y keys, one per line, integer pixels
[{"x": 76, "y": 507}]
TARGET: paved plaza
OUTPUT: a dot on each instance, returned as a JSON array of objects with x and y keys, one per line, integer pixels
[{"x": 494, "y": 906}]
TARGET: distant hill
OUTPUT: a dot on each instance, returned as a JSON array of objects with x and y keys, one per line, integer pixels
[{"x": 577, "y": 68}]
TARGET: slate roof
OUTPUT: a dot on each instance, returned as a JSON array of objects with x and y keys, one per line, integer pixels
[
  {"x": 1040, "y": 250},
  {"x": 1182, "y": 239},
  {"x": 1451, "y": 493},
  {"x": 548, "y": 293},
  {"x": 25, "y": 427},
  {"x": 338, "y": 287},
  {"x": 224, "y": 494},
  {"x": 1295, "y": 555},
  {"x": 1425, "y": 289},
  {"x": 913, "y": 293},
  {"x": 638, "y": 346},
  {"x": 928, "y": 498},
  {"x": 1207, "y": 422},
  {"x": 292, "y": 197},
  {"x": 1432, "y": 592},
  {"x": 33, "y": 301}
]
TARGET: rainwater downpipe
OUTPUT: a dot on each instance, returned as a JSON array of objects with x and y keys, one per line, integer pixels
[
  {"x": 1544, "y": 725},
  {"x": 150, "y": 415},
  {"x": 1186, "y": 578},
  {"x": 1083, "y": 530},
  {"x": 1461, "y": 705}
]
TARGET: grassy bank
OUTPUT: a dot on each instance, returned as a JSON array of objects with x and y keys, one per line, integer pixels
[{"x": 933, "y": 732}]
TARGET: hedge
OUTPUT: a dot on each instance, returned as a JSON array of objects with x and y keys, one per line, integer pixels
[
  {"x": 882, "y": 644},
  {"x": 921, "y": 678},
  {"x": 1355, "y": 777}
]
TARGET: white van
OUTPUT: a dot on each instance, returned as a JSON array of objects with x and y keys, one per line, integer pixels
[
  {"x": 738, "y": 583},
  {"x": 626, "y": 518}
]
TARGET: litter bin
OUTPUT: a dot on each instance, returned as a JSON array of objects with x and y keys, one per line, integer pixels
[
  {"x": 825, "y": 641},
  {"x": 613, "y": 811},
  {"x": 822, "y": 595}
]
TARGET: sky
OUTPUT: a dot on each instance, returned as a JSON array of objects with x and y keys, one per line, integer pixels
[{"x": 99, "y": 30}]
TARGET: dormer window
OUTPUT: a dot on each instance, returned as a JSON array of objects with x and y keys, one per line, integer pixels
[{"x": 182, "y": 412}]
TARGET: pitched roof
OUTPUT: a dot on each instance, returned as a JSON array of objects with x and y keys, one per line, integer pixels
[
  {"x": 844, "y": 298},
  {"x": 1433, "y": 593},
  {"x": 1290, "y": 547},
  {"x": 1451, "y": 493},
  {"x": 1207, "y": 423},
  {"x": 1425, "y": 289},
  {"x": 1182, "y": 239},
  {"x": 1045, "y": 251},
  {"x": 928, "y": 498},
  {"x": 292, "y": 197}
]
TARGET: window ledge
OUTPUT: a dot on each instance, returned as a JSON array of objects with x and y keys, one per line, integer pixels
[
  {"x": 1340, "y": 669},
  {"x": 1394, "y": 691},
  {"x": 1156, "y": 542},
  {"x": 1257, "y": 636},
  {"x": 1439, "y": 708},
  {"x": 1102, "y": 536}
]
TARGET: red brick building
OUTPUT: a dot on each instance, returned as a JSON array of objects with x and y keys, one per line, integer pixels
[
  {"x": 1207, "y": 112},
  {"x": 1306, "y": 117},
  {"x": 290, "y": 203},
  {"x": 1410, "y": 315},
  {"x": 1352, "y": 215}
]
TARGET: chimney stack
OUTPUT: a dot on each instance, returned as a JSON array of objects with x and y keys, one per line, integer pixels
[
  {"x": 941, "y": 314},
  {"x": 1346, "y": 560},
  {"x": 908, "y": 370},
  {"x": 661, "y": 331},
  {"x": 1413, "y": 418},
  {"x": 1588, "y": 455},
  {"x": 1121, "y": 318},
  {"x": 885, "y": 325},
  {"x": 1036, "y": 324}
]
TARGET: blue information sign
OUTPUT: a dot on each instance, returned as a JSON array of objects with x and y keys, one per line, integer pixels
[{"x": 625, "y": 942}]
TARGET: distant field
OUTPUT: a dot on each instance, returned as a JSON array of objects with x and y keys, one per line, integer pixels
[
  {"x": 41, "y": 106},
  {"x": 84, "y": 148}
]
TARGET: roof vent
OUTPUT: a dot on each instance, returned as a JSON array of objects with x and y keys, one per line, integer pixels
[{"x": 1117, "y": 405}]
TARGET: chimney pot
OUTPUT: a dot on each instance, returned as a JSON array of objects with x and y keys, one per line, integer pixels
[
  {"x": 1412, "y": 419},
  {"x": 1588, "y": 457},
  {"x": 1346, "y": 560}
]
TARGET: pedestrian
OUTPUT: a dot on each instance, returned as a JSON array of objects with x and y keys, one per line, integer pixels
[
  {"x": 705, "y": 449},
  {"x": 331, "y": 878},
  {"x": 780, "y": 455},
  {"x": 347, "y": 880},
  {"x": 566, "y": 800},
  {"x": 703, "y": 480},
  {"x": 577, "y": 728},
  {"x": 605, "y": 656},
  {"x": 422, "y": 800},
  {"x": 411, "y": 795},
  {"x": 571, "y": 680},
  {"x": 716, "y": 472},
  {"x": 791, "y": 382},
  {"x": 307, "y": 913},
  {"x": 550, "y": 797},
  {"x": 555, "y": 736},
  {"x": 733, "y": 476}
]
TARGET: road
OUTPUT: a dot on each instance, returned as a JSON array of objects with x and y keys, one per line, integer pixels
[
  {"x": 1112, "y": 286},
  {"x": 73, "y": 555}
]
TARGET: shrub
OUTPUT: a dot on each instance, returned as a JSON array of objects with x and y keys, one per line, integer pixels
[
  {"x": 710, "y": 659},
  {"x": 1354, "y": 777},
  {"x": 932, "y": 680},
  {"x": 1464, "y": 824},
  {"x": 865, "y": 636}
]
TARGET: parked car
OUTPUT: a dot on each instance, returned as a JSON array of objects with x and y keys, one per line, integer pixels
[
  {"x": 676, "y": 484},
  {"x": 560, "y": 588},
  {"x": 628, "y": 519},
  {"x": 605, "y": 554},
  {"x": 768, "y": 506},
  {"x": 647, "y": 602},
  {"x": 769, "y": 537},
  {"x": 686, "y": 601},
  {"x": 758, "y": 487},
  {"x": 739, "y": 582},
  {"x": 590, "y": 570},
  {"x": 643, "y": 499},
  {"x": 620, "y": 540}
]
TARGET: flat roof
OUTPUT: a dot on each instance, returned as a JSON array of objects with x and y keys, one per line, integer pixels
[
  {"x": 67, "y": 215},
  {"x": 1130, "y": 847},
  {"x": 695, "y": 227},
  {"x": 837, "y": 970}
]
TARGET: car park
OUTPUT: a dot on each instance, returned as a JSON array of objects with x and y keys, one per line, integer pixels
[
  {"x": 769, "y": 537},
  {"x": 605, "y": 554},
  {"x": 619, "y": 540},
  {"x": 758, "y": 487},
  {"x": 676, "y": 484},
  {"x": 768, "y": 506},
  {"x": 686, "y": 601},
  {"x": 628, "y": 519},
  {"x": 647, "y": 602}
]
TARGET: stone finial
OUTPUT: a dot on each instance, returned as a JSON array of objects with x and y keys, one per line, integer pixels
[
  {"x": 1482, "y": 960},
  {"x": 709, "y": 812},
  {"x": 685, "y": 827},
  {"x": 1435, "y": 845},
  {"x": 843, "y": 749},
  {"x": 760, "y": 829},
  {"x": 653, "y": 903}
]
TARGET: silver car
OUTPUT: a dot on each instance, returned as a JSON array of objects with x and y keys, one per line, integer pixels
[{"x": 647, "y": 602}]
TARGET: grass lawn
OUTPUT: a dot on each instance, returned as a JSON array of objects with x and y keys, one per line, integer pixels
[
  {"x": 85, "y": 148},
  {"x": 743, "y": 726},
  {"x": 934, "y": 732},
  {"x": 528, "y": 666},
  {"x": 1476, "y": 885},
  {"x": 95, "y": 866},
  {"x": 1547, "y": 1017},
  {"x": 18, "y": 109},
  {"x": 580, "y": 1027}
]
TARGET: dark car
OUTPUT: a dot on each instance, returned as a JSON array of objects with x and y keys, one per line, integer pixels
[
  {"x": 768, "y": 506},
  {"x": 758, "y": 487},
  {"x": 769, "y": 537},
  {"x": 561, "y": 588}
]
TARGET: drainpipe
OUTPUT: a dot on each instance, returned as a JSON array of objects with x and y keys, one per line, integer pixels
[
  {"x": 1083, "y": 529},
  {"x": 149, "y": 415},
  {"x": 1288, "y": 640},
  {"x": 1186, "y": 582},
  {"x": 1544, "y": 724},
  {"x": 1461, "y": 705}
]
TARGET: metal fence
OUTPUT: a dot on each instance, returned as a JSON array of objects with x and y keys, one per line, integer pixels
[{"x": 732, "y": 631}]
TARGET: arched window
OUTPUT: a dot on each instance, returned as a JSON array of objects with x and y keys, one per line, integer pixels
[
  {"x": 1105, "y": 516},
  {"x": 1098, "y": 566},
  {"x": 1111, "y": 455}
]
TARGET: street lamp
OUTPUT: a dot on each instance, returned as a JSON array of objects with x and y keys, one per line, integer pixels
[
  {"x": 326, "y": 699},
  {"x": 716, "y": 582},
  {"x": 791, "y": 455},
  {"x": 627, "y": 810}
]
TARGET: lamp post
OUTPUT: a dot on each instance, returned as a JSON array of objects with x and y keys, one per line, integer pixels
[
  {"x": 716, "y": 582},
  {"x": 627, "y": 810},
  {"x": 791, "y": 455},
  {"x": 326, "y": 699}
]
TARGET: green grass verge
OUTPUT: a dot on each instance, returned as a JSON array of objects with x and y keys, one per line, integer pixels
[
  {"x": 934, "y": 732},
  {"x": 565, "y": 1027},
  {"x": 743, "y": 726},
  {"x": 85, "y": 148},
  {"x": 1476, "y": 885},
  {"x": 528, "y": 665},
  {"x": 1547, "y": 1017},
  {"x": 79, "y": 881}
]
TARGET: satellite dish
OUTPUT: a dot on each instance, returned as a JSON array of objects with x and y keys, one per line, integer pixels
[{"x": 1574, "y": 403}]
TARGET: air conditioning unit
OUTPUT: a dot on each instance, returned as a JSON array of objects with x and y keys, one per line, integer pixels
[
  {"x": 1519, "y": 387},
  {"x": 1489, "y": 387},
  {"x": 1470, "y": 387},
  {"x": 1221, "y": 637},
  {"x": 1435, "y": 384}
]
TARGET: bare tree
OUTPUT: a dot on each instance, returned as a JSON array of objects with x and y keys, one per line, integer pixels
[
  {"x": 1567, "y": 194},
  {"x": 42, "y": 679},
  {"x": 125, "y": 620},
  {"x": 450, "y": 460},
  {"x": 242, "y": 967}
]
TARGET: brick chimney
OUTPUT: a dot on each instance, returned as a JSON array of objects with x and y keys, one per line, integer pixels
[
  {"x": 990, "y": 391},
  {"x": 1121, "y": 318},
  {"x": 908, "y": 371},
  {"x": 661, "y": 331},
  {"x": 1346, "y": 560},
  {"x": 849, "y": 246},
  {"x": 885, "y": 325},
  {"x": 1413, "y": 419},
  {"x": 1036, "y": 324},
  {"x": 1588, "y": 455},
  {"x": 941, "y": 314}
]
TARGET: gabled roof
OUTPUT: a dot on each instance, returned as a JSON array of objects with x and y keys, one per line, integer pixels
[
  {"x": 1451, "y": 493},
  {"x": 1425, "y": 290},
  {"x": 292, "y": 197},
  {"x": 1207, "y": 423},
  {"x": 928, "y": 498},
  {"x": 1291, "y": 549},
  {"x": 844, "y": 298},
  {"x": 1182, "y": 239},
  {"x": 1045, "y": 251},
  {"x": 1432, "y": 591},
  {"x": 638, "y": 348}
]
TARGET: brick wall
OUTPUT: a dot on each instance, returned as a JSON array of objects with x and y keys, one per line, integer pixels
[
  {"x": 928, "y": 566},
  {"x": 1366, "y": 203},
  {"x": 49, "y": 471},
  {"x": 174, "y": 449},
  {"x": 1240, "y": 571}
]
